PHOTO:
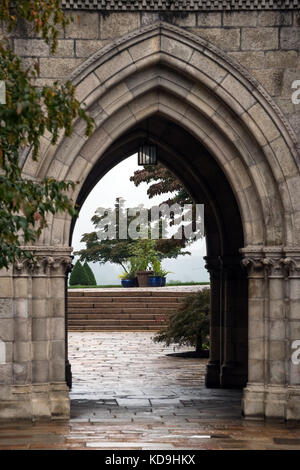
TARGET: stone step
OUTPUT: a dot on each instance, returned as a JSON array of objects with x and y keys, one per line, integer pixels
[
  {"x": 117, "y": 316},
  {"x": 125, "y": 300},
  {"x": 118, "y": 309},
  {"x": 120, "y": 306},
  {"x": 121, "y": 310},
  {"x": 130, "y": 292},
  {"x": 112, "y": 322},
  {"x": 113, "y": 328}
]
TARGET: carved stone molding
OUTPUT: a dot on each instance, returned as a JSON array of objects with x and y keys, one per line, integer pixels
[
  {"x": 45, "y": 261},
  {"x": 180, "y": 5},
  {"x": 255, "y": 266},
  {"x": 272, "y": 261},
  {"x": 292, "y": 266},
  {"x": 213, "y": 265},
  {"x": 274, "y": 267}
]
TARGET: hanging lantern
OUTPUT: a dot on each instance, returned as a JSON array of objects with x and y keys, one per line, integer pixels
[{"x": 147, "y": 154}]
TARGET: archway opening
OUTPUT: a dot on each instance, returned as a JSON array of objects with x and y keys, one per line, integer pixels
[{"x": 201, "y": 175}]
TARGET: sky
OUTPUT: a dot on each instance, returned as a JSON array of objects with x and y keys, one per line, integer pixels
[{"x": 116, "y": 184}]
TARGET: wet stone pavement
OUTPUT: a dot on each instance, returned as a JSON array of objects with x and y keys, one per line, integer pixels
[{"x": 130, "y": 393}]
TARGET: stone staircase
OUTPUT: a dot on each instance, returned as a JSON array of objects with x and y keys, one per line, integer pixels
[{"x": 133, "y": 309}]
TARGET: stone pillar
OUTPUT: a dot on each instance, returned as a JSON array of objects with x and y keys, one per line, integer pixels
[
  {"x": 292, "y": 262},
  {"x": 275, "y": 334},
  {"x": 235, "y": 330},
  {"x": 273, "y": 389},
  {"x": 7, "y": 336},
  {"x": 254, "y": 393},
  {"x": 212, "y": 378},
  {"x": 67, "y": 363},
  {"x": 36, "y": 388}
]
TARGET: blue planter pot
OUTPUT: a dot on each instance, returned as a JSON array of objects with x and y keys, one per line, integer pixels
[
  {"x": 154, "y": 281},
  {"x": 128, "y": 282},
  {"x": 162, "y": 281}
]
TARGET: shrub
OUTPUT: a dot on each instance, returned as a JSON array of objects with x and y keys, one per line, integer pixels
[
  {"x": 78, "y": 276},
  {"x": 189, "y": 325},
  {"x": 90, "y": 274}
]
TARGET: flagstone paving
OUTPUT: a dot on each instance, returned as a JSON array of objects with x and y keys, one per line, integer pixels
[{"x": 130, "y": 393}]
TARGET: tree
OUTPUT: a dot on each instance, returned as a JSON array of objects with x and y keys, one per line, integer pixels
[
  {"x": 117, "y": 250},
  {"x": 189, "y": 325},
  {"x": 30, "y": 112},
  {"x": 160, "y": 181},
  {"x": 79, "y": 276},
  {"x": 90, "y": 274}
]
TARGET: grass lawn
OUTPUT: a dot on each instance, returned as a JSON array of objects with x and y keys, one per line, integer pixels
[{"x": 119, "y": 285}]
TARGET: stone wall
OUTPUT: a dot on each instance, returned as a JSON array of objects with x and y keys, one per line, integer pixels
[
  {"x": 267, "y": 43},
  {"x": 250, "y": 142}
]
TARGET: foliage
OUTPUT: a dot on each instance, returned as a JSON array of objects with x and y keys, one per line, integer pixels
[
  {"x": 160, "y": 181},
  {"x": 90, "y": 274},
  {"x": 144, "y": 254},
  {"x": 189, "y": 325},
  {"x": 121, "y": 251},
  {"x": 114, "y": 250},
  {"x": 79, "y": 275},
  {"x": 43, "y": 15},
  {"x": 29, "y": 113}
]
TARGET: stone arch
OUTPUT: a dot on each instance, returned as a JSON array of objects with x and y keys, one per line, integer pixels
[
  {"x": 164, "y": 72},
  {"x": 162, "y": 69}
]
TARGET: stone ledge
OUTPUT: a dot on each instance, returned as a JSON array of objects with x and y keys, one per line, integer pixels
[{"x": 181, "y": 5}]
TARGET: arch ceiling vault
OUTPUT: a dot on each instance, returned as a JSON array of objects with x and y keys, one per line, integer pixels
[{"x": 161, "y": 72}]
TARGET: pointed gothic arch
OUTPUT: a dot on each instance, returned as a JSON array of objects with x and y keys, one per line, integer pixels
[{"x": 166, "y": 74}]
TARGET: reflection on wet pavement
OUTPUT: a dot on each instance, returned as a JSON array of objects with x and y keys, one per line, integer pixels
[{"x": 132, "y": 394}]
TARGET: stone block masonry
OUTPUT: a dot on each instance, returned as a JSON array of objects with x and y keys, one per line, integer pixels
[
  {"x": 202, "y": 77},
  {"x": 265, "y": 42}
]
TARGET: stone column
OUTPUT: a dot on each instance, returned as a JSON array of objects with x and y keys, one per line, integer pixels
[
  {"x": 254, "y": 393},
  {"x": 212, "y": 378},
  {"x": 235, "y": 334},
  {"x": 67, "y": 363},
  {"x": 6, "y": 341},
  {"x": 36, "y": 387},
  {"x": 275, "y": 334},
  {"x": 58, "y": 268},
  {"x": 292, "y": 262}
]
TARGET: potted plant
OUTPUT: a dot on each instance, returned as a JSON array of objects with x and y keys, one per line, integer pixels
[
  {"x": 158, "y": 279},
  {"x": 143, "y": 254},
  {"x": 128, "y": 277},
  {"x": 163, "y": 275}
]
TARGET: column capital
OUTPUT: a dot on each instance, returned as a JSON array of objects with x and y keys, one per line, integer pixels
[
  {"x": 292, "y": 261},
  {"x": 264, "y": 261},
  {"x": 213, "y": 265},
  {"x": 44, "y": 261}
]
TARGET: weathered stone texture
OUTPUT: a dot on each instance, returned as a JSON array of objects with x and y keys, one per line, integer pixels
[
  {"x": 275, "y": 18},
  {"x": 228, "y": 40},
  {"x": 57, "y": 68},
  {"x": 290, "y": 38},
  {"x": 117, "y": 24},
  {"x": 84, "y": 48},
  {"x": 83, "y": 25},
  {"x": 31, "y": 48},
  {"x": 250, "y": 59},
  {"x": 209, "y": 19},
  {"x": 259, "y": 39},
  {"x": 65, "y": 48},
  {"x": 271, "y": 80},
  {"x": 240, "y": 18}
]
